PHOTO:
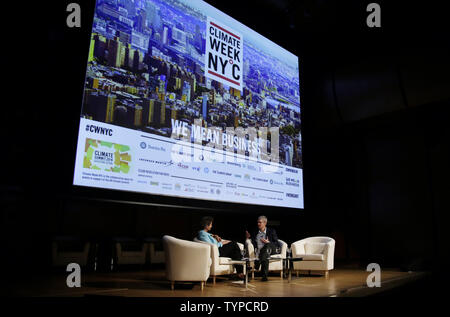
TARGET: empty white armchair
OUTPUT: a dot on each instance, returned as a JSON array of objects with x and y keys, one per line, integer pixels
[
  {"x": 186, "y": 261},
  {"x": 274, "y": 266},
  {"x": 317, "y": 254},
  {"x": 219, "y": 264}
]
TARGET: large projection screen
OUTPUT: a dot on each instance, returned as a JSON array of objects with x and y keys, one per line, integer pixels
[{"x": 182, "y": 100}]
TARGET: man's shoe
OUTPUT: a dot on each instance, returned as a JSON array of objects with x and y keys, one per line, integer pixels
[{"x": 264, "y": 279}]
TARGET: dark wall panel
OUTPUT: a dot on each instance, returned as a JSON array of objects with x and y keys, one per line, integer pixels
[
  {"x": 401, "y": 224},
  {"x": 438, "y": 137},
  {"x": 426, "y": 75},
  {"x": 367, "y": 87}
]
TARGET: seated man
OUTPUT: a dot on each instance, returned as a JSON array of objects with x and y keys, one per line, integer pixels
[
  {"x": 227, "y": 248},
  {"x": 265, "y": 242}
]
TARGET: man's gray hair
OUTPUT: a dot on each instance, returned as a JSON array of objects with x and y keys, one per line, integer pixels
[{"x": 262, "y": 218}]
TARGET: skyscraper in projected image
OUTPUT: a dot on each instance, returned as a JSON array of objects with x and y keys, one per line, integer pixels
[{"x": 205, "y": 106}]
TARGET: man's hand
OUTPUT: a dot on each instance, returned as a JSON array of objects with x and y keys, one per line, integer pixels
[
  {"x": 264, "y": 240},
  {"x": 247, "y": 235},
  {"x": 215, "y": 236}
]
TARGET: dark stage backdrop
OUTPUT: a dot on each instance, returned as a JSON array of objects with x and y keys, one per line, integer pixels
[{"x": 375, "y": 135}]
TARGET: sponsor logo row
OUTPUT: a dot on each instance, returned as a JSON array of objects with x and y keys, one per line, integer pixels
[
  {"x": 289, "y": 181},
  {"x": 231, "y": 189},
  {"x": 205, "y": 170}
]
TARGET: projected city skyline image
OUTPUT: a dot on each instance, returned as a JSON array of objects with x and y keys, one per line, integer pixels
[{"x": 146, "y": 71}]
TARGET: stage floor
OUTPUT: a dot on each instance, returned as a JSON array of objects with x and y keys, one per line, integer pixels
[{"x": 152, "y": 283}]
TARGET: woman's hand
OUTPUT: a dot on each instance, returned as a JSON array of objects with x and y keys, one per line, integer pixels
[{"x": 247, "y": 235}]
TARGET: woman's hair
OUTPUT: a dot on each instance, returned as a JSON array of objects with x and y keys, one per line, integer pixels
[{"x": 206, "y": 221}]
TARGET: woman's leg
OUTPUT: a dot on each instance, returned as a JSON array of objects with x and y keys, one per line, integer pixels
[{"x": 232, "y": 250}]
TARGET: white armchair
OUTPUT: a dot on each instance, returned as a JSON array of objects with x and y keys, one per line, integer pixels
[
  {"x": 219, "y": 264},
  {"x": 273, "y": 265},
  {"x": 317, "y": 254},
  {"x": 186, "y": 261}
]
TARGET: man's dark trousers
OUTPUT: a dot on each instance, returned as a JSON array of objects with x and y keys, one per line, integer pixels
[{"x": 264, "y": 254}]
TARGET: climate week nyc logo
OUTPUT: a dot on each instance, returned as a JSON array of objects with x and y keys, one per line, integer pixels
[
  {"x": 224, "y": 57},
  {"x": 106, "y": 156}
]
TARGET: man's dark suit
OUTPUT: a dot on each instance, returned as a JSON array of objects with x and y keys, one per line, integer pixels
[{"x": 267, "y": 250}]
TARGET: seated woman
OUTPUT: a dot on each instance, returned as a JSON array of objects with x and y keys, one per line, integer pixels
[{"x": 226, "y": 248}]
